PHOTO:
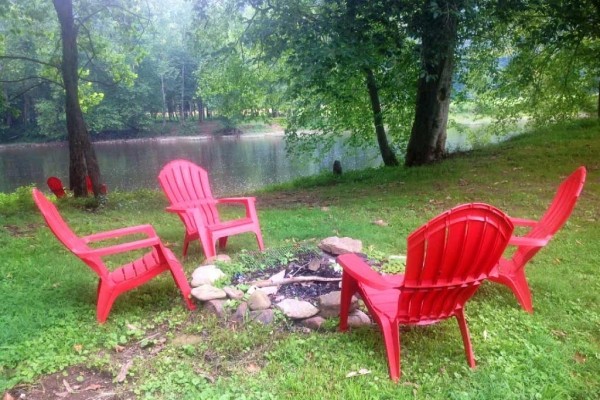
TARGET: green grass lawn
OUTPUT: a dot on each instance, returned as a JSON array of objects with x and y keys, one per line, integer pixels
[{"x": 47, "y": 312}]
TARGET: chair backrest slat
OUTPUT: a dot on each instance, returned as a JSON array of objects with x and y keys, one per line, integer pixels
[
  {"x": 65, "y": 234},
  {"x": 448, "y": 258},
  {"x": 184, "y": 182},
  {"x": 558, "y": 213}
]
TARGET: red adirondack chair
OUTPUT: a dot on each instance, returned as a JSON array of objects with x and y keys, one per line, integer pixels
[
  {"x": 129, "y": 276},
  {"x": 56, "y": 187},
  {"x": 511, "y": 272},
  {"x": 187, "y": 187},
  {"x": 447, "y": 260}
]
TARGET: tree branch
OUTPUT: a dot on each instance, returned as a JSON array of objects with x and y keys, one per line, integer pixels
[
  {"x": 29, "y": 78},
  {"x": 24, "y": 58}
]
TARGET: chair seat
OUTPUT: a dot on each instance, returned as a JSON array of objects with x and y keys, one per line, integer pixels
[
  {"x": 145, "y": 265},
  {"x": 234, "y": 223},
  {"x": 383, "y": 301}
]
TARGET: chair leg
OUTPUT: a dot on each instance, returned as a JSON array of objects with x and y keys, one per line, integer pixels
[
  {"x": 208, "y": 245},
  {"x": 349, "y": 287},
  {"x": 391, "y": 337},
  {"x": 180, "y": 280},
  {"x": 186, "y": 244},
  {"x": 223, "y": 242},
  {"x": 517, "y": 282},
  {"x": 259, "y": 239},
  {"x": 106, "y": 298},
  {"x": 464, "y": 331}
]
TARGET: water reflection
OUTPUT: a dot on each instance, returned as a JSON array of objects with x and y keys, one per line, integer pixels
[{"x": 235, "y": 165}]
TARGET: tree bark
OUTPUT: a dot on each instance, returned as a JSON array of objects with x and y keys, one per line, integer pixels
[
  {"x": 164, "y": 99},
  {"x": 387, "y": 154},
  {"x": 427, "y": 141},
  {"x": 82, "y": 158},
  {"x": 182, "y": 93}
]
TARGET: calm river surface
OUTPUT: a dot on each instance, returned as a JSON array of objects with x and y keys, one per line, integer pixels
[{"x": 235, "y": 165}]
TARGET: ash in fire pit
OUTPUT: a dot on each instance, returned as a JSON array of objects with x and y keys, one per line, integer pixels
[{"x": 308, "y": 275}]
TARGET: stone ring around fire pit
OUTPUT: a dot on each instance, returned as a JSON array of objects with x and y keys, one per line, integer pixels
[{"x": 306, "y": 291}]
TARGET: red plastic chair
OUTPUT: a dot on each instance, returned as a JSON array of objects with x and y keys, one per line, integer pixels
[
  {"x": 90, "y": 189},
  {"x": 511, "y": 272},
  {"x": 447, "y": 260},
  {"x": 187, "y": 187},
  {"x": 126, "y": 277},
  {"x": 56, "y": 187}
]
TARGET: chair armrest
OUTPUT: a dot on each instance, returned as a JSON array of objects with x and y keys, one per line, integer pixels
[
  {"x": 246, "y": 200},
  {"x": 362, "y": 272},
  {"x": 182, "y": 207},
  {"x": 121, "y": 248},
  {"x": 113, "y": 234},
  {"x": 523, "y": 222},
  {"x": 528, "y": 241}
]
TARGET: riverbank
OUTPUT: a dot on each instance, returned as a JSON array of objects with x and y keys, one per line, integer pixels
[
  {"x": 189, "y": 129},
  {"x": 168, "y": 352}
]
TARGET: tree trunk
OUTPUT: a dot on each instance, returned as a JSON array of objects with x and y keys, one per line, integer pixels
[
  {"x": 164, "y": 99},
  {"x": 387, "y": 154},
  {"x": 182, "y": 93},
  {"x": 82, "y": 158},
  {"x": 200, "y": 110},
  {"x": 427, "y": 142}
]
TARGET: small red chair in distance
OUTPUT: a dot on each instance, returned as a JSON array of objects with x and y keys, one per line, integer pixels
[
  {"x": 56, "y": 187},
  {"x": 129, "y": 276},
  {"x": 447, "y": 260},
  {"x": 187, "y": 187},
  {"x": 511, "y": 272}
]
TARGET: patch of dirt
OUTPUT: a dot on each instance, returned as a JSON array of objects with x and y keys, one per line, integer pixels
[
  {"x": 290, "y": 199},
  {"x": 76, "y": 383},
  {"x": 83, "y": 383},
  {"x": 17, "y": 230}
]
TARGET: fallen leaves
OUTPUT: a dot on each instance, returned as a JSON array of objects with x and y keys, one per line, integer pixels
[{"x": 362, "y": 371}]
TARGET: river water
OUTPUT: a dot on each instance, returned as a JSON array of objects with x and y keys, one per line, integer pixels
[{"x": 236, "y": 165}]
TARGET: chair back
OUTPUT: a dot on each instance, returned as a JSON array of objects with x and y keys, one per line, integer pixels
[
  {"x": 56, "y": 186},
  {"x": 556, "y": 216},
  {"x": 64, "y": 234},
  {"x": 185, "y": 182},
  {"x": 448, "y": 258}
]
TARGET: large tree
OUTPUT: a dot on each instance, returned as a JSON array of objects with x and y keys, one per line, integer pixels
[
  {"x": 82, "y": 158},
  {"x": 436, "y": 24}
]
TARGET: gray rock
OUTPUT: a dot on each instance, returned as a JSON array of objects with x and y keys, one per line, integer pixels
[
  {"x": 233, "y": 293},
  {"x": 297, "y": 309},
  {"x": 329, "y": 304},
  {"x": 206, "y": 275},
  {"x": 258, "y": 300},
  {"x": 313, "y": 323},
  {"x": 265, "y": 317},
  {"x": 208, "y": 292},
  {"x": 240, "y": 314},
  {"x": 358, "y": 318},
  {"x": 336, "y": 245},
  {"x": 216, "y": 307}
]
